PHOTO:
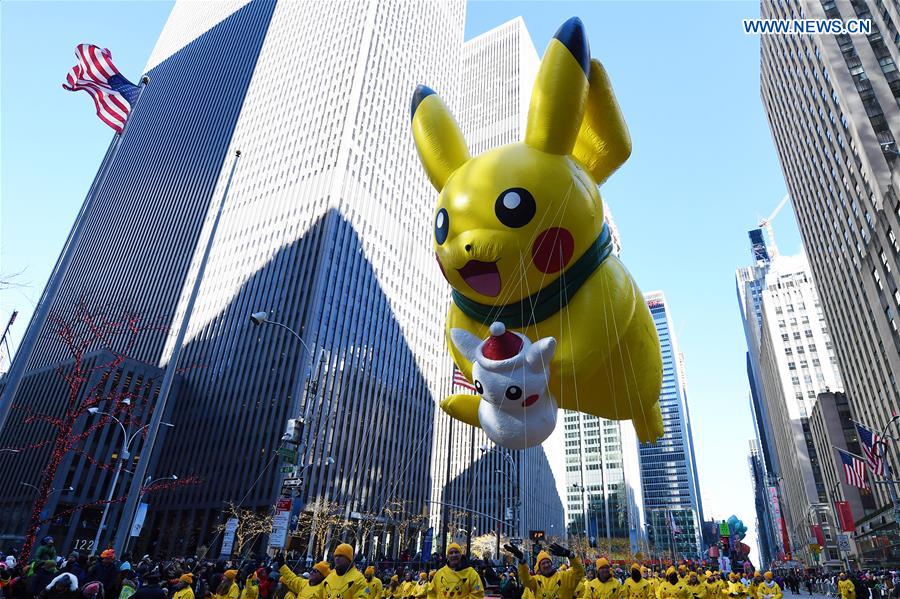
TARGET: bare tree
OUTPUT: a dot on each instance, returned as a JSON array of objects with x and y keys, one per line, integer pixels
[
  {"x": 317, "y": 522},
  {"x": 251, "y": 524}
]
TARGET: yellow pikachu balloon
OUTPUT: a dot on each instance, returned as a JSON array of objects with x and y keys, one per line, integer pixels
[{"x": 519, "y": 234}]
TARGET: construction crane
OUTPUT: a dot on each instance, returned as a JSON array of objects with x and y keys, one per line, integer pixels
[{"x": 766, "y": 224}]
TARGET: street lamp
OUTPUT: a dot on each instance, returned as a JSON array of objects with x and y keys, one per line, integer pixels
[
  {"x": 149, "y": 481},
  {"x": 11, "y": 450},
  {"x": 66, "y": 490},
  {"x": 502, "y": 504},
  {"x": 123, "y": 456}
]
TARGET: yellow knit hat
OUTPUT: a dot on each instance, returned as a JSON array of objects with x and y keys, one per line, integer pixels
[
  {"x": 344, "y": 550},
  {"x": 395, "y": 578},
  {"x": 423, "y": 576},
  {"x": 541, "y": 557},
  {"x": 670, "y": 571},
  {"x": 769, "y": 576},
  {"x": 635, "y": 566},
  {"x": 323, "y": 568},
  {"x": 230, "y": 574},
  {"x": 188, "y": 578},
  {"x": 602, "y": 563},
  {"x": 454, "y": 546},
  {"x": 370, "y": 571}
]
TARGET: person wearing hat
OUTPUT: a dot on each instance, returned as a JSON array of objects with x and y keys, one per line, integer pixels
[
  {"x": 456, "y": 580},
  {"x": 106, "y": 573},
  {"x": 421, "y": 589},
  {"x": 753, "y": 584},
  {"x": 769, "y": 589},
  {"x": 636, "y": 586},
  {"x": 373, "y": 588},
  {"x": 151, "y": 588},
  {"x": 736, "y": 587},
  {"x": 301, "y": 587},
  {"x": 63, "y": 586},
  {"x": 72, "y": 566},
  {"x": 184, "y": 587},
  {"x": 713, "y": 585},
  {"x": 129, "y": 584},
  {"x": 408, "y": 586},
  {"x": 605, "y": 586},
  {"x": 695, "y": 589},
  {"x": 671, "y": 587},
  {"x": 228, "y": 587},
  {"x": 392, "y": 591},
  {"x": 43, "y": 573},
  {"x": 46, "y": 551},
  {"x": 845, "y": 587},
  {"x": 345, "y": 581},
  {"x": 548, "y": 582}
]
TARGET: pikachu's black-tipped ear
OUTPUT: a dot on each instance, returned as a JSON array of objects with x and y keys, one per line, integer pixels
[
  {"x": 560, "y": 91},
  {"x": 603, "y": 142},
  {"x": 439, "y": 141}
]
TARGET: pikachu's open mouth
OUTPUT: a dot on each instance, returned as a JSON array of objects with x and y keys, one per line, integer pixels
[{"x": 483, "y": 277}]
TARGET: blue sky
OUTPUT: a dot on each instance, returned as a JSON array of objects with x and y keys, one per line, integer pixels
[{"x": 703, "y": 170}]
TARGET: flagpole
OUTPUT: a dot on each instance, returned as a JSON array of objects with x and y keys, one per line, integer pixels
[
  {"x": 137, "y": 479},
  {"x": 17, "y": 368}
]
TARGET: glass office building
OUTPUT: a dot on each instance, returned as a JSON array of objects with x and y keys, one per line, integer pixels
[{"x": 672, "y": 504}]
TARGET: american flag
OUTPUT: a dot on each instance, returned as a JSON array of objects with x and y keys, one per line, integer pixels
[
  {"x": 96, "y": 74},
  {"x": 673, "y": 525},
  {"x": 459, "y": 380},
  {"x": 854, "y": 470},
  {"x": 869, "y": 442}
]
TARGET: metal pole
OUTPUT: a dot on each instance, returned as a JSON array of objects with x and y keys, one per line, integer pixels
[
  {"x": 17, "y": 368},
  {"x": 160, "y": 407},
  {"x": 469, "y": 493},
  {"x": 445, "y": 512},
  {"x": 112, "y": 490},
  {"x": 501, "y": 509},
  {"x": 838, "y": 528}
]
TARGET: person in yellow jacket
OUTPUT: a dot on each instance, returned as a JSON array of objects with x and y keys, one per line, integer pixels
[
  {"x": 407, "y": 587},
  {"x": 605, "y": 586},
  {"x": 582, "y": 591},
  {"x": 392, "y": 590},
  {"x": 228, "y": 588},
  {"x": 183, "y": 588},
  {"x": 303, "y": 588},
  {"x": 694, "y": 588},
  {"x": 769, "y": 589},
  {"x": 736, "y": 588},
  {"x": 456, "y": 580},
  {"x": 713, "y": 585},
  {"x": 845, "y": 587},
  {"x": 344, "y": 581},
  {"x": 756, "y": 579},
  {"x": 421, "y": 589},
  {"x": 636, "y": 586},
  {"x": 548, "y": 582},
  {"x": 671, "y": 587},
  {"x": 373, "y": 588},
  {"x": 651, "y": 577}
]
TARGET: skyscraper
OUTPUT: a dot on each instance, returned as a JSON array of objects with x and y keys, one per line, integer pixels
[
  {"x": 326, "y": 227},
  {"x": 832, "y": 106},
  {"x": 750, "y": 282},
  {"x": 498, "y": 71},
  {"x": 796, "y": 362},
  {"x": 672, "y": 504}
]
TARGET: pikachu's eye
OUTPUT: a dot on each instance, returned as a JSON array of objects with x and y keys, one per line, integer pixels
[
  {"x": 441, "y": 226},
  {"x": 515, "y": 207}
]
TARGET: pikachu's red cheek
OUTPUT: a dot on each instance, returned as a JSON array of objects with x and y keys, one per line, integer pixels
[{"x": 552, "y": 250}]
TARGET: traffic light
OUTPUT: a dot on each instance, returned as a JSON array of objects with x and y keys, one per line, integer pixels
[{"x": 293, "y": 432}]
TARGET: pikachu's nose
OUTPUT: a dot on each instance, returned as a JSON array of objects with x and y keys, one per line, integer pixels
[{"x": 468, "y": 248}]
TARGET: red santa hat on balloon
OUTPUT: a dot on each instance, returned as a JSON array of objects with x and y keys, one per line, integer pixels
[{"x": 502, "y": 344}]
